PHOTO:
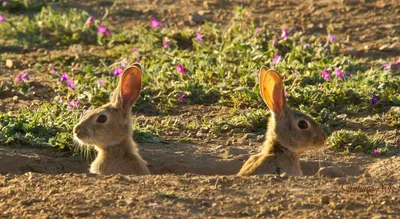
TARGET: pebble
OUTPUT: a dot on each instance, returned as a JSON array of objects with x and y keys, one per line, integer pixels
[
  {"x": 325, "y": 199},
  {"x": 249, "y": 136},
  {"x": 260, "y": 137},
  {"x": 332, "y": 171},
  {"x": 340, "y": 180}
]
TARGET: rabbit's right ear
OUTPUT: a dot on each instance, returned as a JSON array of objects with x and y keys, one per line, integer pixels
[
  {"x": 129, "y": 87},
  {"x": 272, "y": 92}
]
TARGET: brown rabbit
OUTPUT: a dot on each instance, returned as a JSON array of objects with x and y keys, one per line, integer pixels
[
  {"x": 290, "y": 132},
  {"x": 109, "y": 129}
]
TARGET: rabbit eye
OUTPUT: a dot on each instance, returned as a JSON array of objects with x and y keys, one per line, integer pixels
[
  {"x": 302, "y": 124},
  {"x": 101, "y": 119}
]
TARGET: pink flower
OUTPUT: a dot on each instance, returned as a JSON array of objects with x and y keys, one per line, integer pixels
[
  {"x": 123, "y": 62},
  {"x": 138, "y": 60},
  {"x": 4, "y": 3},
  {"x": 2, "y": 18},
  {"x": 165, "y": 44},
  {"x": 258, "y": 30},
  {"x": 387, "y": 67},
  {"x": 118, "y": 71},
  {"x": 307, "y": 45},
  {"x": 70, "y": 84},
  {"x": 73, "y": 104},
  {"x": 180, "y": 68},
  {"x": 374, "y": 100},
  {"x": 325, "y": 75},
  {"x": 284, "y": 34},
  {"x": 100, "y": 82},
  {"x": 181, "y": 97},
  {"x": 64, "y": 76},
  {"x": 134, "y": 49},
  {"x": 103, "y": 30},
  {"x": 273, "y": 43},
  {"x": 376, "y": 152},
  {"x": 199, "y": 37},
  {"x": 89, "y": 21},
  {"x": 19, "y": 78},
  {"x": 339, "y": 74},
  {"x": 154, "y": 23},
  {"x": 276, "y": 59},
  {"x": 331, "y": 38},
  {"x": 52, "y": 70},
  {"x": 398, "y": 62}
]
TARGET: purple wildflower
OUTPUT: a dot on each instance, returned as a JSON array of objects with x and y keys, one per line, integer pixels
[
  {"x": 325, "y": 75},
  {"x": 387, "y": 67},
  {"x": 398, "y": 62},
  {"x": 307, "y": 45},
  {"x": 64, "y": 76},
  {"x": 123, "y": 62},
  {"x": 100, "y": 82},
  {"x": 154, "y": 23},
  {"x": 118, "y": 71},
  {"x": 90, "y": 21},
  {"x": 331, "y": 38},
  {"x": 4, "y": 3},
  {"x": 134, "y": 49},
  {"x": 25, "y": 76},
  {"x": 2, "y": 18},
  {"x": 376, "y": 152},
  {"x": 19, "y": 78},
  {"x": 339, "y": 74},
  {"x": 103, "y": 30},
  {"x": 325, "y": 47},
  {"x": 276, "y": 59},
  {"x": 70, "y": 84},
  {"x": 199, "y": 37},
  {"x": 180, "y": 68},
  {"x": 73, "y": 104},
  {"x": 138, "y": 60},
  {"x": 165, "y": 44},
  {"x": 374, "y": 100},
  {"x": 258, "y": 30},
  {"x": 181, "y": 97},
  {"x": 285, "y": 34}
]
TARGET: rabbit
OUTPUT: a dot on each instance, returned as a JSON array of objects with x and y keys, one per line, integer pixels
[
  {"x": 109, "y": 129},
  {"x": 289, "y": 134}
]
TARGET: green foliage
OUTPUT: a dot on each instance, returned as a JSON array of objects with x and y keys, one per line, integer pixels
[{"x": 50, "y": 27}]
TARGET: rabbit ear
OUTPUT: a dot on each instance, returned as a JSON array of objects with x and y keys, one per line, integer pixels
[
  {"x": 272, "y": 91},
  {"x": 129, "y": 87}
]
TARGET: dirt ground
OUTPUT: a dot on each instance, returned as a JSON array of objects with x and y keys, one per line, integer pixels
[{"x": 196, "y": 180}]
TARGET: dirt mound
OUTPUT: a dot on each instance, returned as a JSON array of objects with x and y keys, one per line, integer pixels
[{"x": 386, "y": 168}]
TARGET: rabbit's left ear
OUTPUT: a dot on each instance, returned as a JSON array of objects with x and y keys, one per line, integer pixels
[
  {"x": 129, "y": 87},
  {"x": 272, "y": 91}
]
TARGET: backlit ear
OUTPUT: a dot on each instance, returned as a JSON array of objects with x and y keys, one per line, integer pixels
[
  {"x": 272, "y": 91},
  {"x": 129, "y": 87}
]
